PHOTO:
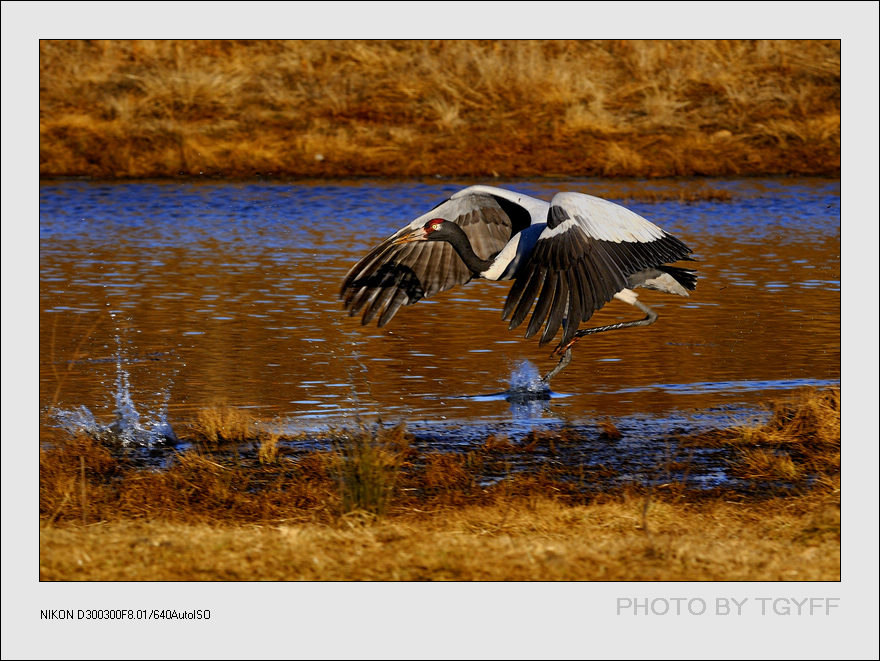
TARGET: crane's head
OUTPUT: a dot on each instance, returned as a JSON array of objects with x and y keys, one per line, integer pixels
[{"x": 436, "y": 229}]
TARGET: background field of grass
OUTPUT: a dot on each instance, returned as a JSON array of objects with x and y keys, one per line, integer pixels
[{"x": 453, "y": 108}]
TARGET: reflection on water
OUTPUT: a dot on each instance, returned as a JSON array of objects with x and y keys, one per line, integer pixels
[{"x": 229, "y": 291}]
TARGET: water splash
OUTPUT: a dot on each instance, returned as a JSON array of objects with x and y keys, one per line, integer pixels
[
  {"x": 76, "y": 420},
  {"x": 526, "y": 378},
  {"x": 126, "y": 428},
  {"x": 529, "y": 395},
  {"x": 127, "y": 422}
]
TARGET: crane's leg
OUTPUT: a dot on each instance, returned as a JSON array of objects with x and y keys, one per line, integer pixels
[
  {"x": 563, "y": 362},
  {"x": 627, "y": 296}
]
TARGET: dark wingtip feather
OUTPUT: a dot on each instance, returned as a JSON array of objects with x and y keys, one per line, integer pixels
[
  {"x": 557, "y": 309},
  {"x": 545, "y": 300}
]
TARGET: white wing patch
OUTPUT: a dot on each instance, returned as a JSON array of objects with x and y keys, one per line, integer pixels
[
  {"x": 509, "y": 261},
  {"x": 604, "y": 220},
  {"x": 562, "y": 228}
]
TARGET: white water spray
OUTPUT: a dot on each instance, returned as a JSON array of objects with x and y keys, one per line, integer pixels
[{"x": 126, "y": 428}]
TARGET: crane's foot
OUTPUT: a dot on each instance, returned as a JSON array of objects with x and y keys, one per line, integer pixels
[
  {"x": 561, "y": 349},
  {"x": 561, "y": 365}
]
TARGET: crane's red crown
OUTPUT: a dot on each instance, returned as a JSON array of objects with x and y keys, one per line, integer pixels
[{"x": 433, "y": 225}]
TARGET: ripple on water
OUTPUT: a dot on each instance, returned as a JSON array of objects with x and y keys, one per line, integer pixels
[{"x": 240, "y": 281}]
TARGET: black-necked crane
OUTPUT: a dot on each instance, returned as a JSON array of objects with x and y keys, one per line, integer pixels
[{"x": 572, "y": 254}]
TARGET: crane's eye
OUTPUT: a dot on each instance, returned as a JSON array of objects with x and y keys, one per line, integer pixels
[{"x": 435, "y": 227}]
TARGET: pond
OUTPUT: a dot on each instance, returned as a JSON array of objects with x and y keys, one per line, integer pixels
[{"x": 196, "y": 293}]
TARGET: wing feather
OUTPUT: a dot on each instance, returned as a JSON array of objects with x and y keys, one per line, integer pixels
[
  {"x": 545, "y": 300},
  {"x": 392, "y": 275},
  {"x": 581, "y": 260},
  {"x": 558, "y": 308},
  {"x": 575, "y": 310},
  {"x": 533, "y": 278}
]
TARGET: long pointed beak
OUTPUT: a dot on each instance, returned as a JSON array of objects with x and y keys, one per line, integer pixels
[{"x": 417, "y": 234}]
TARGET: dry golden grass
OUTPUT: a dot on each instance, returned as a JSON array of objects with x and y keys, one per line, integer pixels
[
  {"x": 801, "y": 438},
  {"x": 221, "y": 423},
  {"x": 368, "y": 464},
  {"x": 762, "y": 464},
  {"x": 374, "y": 508},
  {"x": 268, "y": 452},
  {"x": 520, "y": 540},
  {"x": 455, "y": 108},
  {"x": 222, "y": 426}
]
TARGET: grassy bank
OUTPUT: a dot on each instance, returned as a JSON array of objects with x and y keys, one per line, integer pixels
[
  {"x": 376, "y": 508},
  {"x": 539, "y": 539},
  {"x": 452, "y": 108}
]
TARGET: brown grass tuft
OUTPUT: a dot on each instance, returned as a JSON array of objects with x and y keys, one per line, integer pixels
[
  {"x": 368, "y": 466},
  {"x": 801, "y": 440},
  {"x": 268, "y": 452},
  {"x": 498, "y": 443},
  {"x": 74, "y": 472},
  {"x": 609, "y": 432},
  {"x": 447, "y": 473},
  {"x": 220, "y": 424},
  {"x": 763, "y": 464}
]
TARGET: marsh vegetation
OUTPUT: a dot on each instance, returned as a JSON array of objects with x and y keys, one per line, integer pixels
[{"x": 375, "y": 507}]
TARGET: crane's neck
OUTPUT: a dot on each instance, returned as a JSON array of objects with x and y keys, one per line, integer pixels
[{"x": 462, "y": 245}]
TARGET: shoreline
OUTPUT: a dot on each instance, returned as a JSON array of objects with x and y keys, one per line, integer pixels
[{"x": 375, "y": 490}]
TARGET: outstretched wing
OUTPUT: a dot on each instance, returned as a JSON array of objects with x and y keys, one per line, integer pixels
[
  {"x": 581, "y": 260},
  {"x": 394, "y": 275}
]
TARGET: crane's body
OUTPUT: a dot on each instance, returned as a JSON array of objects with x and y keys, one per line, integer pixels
[{"x": 568, "y": 257}]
